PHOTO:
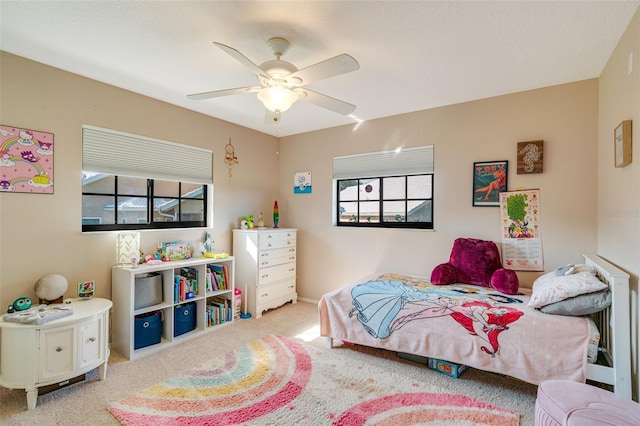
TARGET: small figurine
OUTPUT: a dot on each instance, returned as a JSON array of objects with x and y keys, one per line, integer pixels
[
  {"x": 207, "y": 245},
  {"x": 260, "y": 221},
  {"x": 22, "y": 304},
  {"x": 249, "y": 220}
]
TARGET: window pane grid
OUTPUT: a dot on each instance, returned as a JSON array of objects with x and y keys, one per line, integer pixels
[
  {"x": 385, "y": 202},
  {"x": 178, "y": 206}
]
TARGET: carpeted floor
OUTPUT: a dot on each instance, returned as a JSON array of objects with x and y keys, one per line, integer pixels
[
  {"x": 278, "y": 380},
  {"x": 86, "y": 402}
]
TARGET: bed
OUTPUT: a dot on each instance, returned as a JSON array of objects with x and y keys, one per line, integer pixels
[{"x": 485, "y": 329}]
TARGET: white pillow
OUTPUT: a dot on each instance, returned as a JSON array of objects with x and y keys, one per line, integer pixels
[{"x": 551, "y": 288}]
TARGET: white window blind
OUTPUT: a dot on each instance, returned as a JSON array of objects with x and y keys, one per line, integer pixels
[
  {"x": 125, "y": 154},
  {"x": 407, "y": 161}
]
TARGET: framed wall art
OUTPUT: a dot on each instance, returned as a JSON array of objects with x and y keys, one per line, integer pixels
[
  {"x": 26, "y": 160},
  {"x": 622, "y": 144},
  {"x": 489, "y": 180},
  {"x": 530, "y": 157},
  {"x": 302, "y": 183}
]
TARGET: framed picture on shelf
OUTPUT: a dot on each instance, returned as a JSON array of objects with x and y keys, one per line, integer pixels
[
  {"x": 489, "y": 180},
  {"x": 622, "y": 144}
]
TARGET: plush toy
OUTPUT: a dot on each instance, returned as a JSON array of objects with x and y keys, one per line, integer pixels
[{"x": 477, "y": 262}]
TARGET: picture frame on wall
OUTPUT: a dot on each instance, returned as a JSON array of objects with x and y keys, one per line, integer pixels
[
  {"x": 530, "y": 157},
  {"x": 622, "y": 144},
  {"x": 489, "y": 180},
  {"x": 26, "y": 159}
]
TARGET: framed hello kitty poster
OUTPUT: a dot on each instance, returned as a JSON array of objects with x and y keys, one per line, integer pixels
[{"x": 26, "y": 160}]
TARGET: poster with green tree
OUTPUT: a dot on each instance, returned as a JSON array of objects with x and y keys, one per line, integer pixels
[{"x": 521, "y": 243}]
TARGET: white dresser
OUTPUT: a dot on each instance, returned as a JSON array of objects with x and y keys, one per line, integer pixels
[
  {"x": 34, "y": 356},
  {"x": 265, "y": 267}
]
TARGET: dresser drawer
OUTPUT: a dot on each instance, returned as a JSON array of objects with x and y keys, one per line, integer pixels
[
  {"x": 272, "y": 292},
  {"x": 276, "y": 257},
  {"x": 273, "y": 240},
  {"x": 268, "y": 241},
  {"x": 276, "y": 273}
]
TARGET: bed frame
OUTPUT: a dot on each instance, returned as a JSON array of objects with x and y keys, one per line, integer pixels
[
  {"x": 614, "y": 360},
  {"x": 613, "y": 367}
]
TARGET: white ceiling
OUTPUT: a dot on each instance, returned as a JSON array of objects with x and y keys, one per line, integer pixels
[{"x": 413, "y": 55}]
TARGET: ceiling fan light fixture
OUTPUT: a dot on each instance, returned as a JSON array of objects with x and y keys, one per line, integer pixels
[{"x": 277, "y": 99}]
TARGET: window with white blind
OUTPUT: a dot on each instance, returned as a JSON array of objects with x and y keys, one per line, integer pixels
[
  {"x": 385, "y": 189},
  {"x": 132, "y": 182}
]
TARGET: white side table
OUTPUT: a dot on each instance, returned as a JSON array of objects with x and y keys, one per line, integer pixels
[{"x": 32, "y": 356}]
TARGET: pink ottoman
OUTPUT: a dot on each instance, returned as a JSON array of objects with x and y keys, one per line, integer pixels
[{"x": 563, "y": 402}]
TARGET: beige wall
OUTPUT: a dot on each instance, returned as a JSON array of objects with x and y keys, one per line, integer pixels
[
  {"x": 565, "y": 117},
  {"x": 619, "y": 188},
  {"x": 41, "y": 234}
]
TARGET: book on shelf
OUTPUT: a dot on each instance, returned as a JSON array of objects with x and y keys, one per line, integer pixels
[
  {"x": 221, "y": 275},
  {"x": 185, "y": 286},
  {"x": 219, "y": 310},
  {"x": 212, "y": 280},
  {"x": 191, "y": 275}
]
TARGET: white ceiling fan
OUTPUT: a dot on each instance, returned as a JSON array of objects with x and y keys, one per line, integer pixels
[{"x": 281, "y": 83}]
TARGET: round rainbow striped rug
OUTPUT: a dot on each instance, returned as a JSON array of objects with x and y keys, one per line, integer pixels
[{"x": 280, "y": 381}]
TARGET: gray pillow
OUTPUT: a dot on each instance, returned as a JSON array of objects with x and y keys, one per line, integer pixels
[{"x": 584, "y": 304}]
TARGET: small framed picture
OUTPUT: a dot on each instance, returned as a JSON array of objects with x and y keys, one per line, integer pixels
[
  {"x": 530, "y": 157},
  {"x": 86, "y": 289},
  {"x": 489, "y": 180},
  {"x": 622, "y": 144}
]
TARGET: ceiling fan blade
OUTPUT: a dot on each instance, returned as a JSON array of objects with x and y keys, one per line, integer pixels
[
  {"x": 243, "y": 59},
  {"x": 271, "y": 117},
  {"x": 325, "y": 101},
  {"x": 331, "y": 67},
  {"x": 226, "y": 92}
]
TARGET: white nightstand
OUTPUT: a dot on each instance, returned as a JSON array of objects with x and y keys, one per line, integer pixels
[{"x": 33, "y": 356}]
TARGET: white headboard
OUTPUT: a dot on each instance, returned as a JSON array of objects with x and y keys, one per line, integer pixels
[{"x": 614, "y": 326}]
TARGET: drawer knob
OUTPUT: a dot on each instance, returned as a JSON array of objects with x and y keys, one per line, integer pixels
[
  {"x": 59, "y": 349},
  {"x": 92, "y": 339},
  {"x": 264, "y": 295},
  {"x": 265, "y": 276},
  {"x": 292, "y": 269}
]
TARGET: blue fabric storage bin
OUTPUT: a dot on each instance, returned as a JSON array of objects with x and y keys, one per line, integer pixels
[
  {"x": 147, "y": 329},
  {"x": 184, "y": 318}
]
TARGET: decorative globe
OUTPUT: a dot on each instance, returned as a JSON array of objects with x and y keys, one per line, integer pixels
[{"x": 51, "y": 287}]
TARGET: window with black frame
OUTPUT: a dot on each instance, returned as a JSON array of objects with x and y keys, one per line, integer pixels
[
  {"x": 388, "y": 189},
  {"x": 131, "y": 182}
]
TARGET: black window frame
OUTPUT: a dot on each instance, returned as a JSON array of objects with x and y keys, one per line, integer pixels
[
  {"x": 385, "y": 224},
  {"x": 150, "y": 223}
]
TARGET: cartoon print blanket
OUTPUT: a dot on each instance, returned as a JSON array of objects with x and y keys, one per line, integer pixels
[{"x": 466, "y": 324}]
